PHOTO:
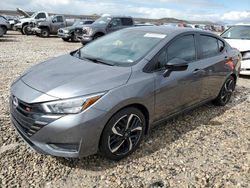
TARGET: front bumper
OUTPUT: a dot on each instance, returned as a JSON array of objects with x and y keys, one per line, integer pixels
[
  {"x": 86, "y": 39},
  {"x": 36, "y": 30},
  {"x": 64, "y": 35},
  {"x": 73, "y": 136},
  {"x": 245, "y": 67}
]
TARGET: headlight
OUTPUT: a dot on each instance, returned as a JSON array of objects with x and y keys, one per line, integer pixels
[
  {"x": 88, "y": 30},
  {"x": 71, "y": 106},
  {"x": 66, "y": 31},
  {"x": 245, "y": 55}
]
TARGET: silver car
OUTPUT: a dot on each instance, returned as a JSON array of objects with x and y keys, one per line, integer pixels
[{"x": 105, "y": 97}]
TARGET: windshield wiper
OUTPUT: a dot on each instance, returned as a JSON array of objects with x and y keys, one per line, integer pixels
[{"x": 97, "y": 60}]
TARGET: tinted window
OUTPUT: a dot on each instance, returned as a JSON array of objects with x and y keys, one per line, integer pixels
[
  {"x": 209, "y": 46},
  {"x": 127, "y": 21},
  {"x": 89, "y": 22},
  {"x": 116, "y": 22},
  {"x": 59, "y": 19},
  {"x": 183, "y": 48},
  {"x": 237, "y": 32},
  {"x": 41, "y": 15}
]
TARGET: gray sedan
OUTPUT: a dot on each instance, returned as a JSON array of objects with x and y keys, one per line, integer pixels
[{"x": 105, "y": 97}]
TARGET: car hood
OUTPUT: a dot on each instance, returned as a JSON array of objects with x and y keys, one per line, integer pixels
[
  {"x": 22, "y": 20},
  {"x": 241, "y": 45},
  {"x": 67, "y": 76},
  {"x": 22, "y": 12}
]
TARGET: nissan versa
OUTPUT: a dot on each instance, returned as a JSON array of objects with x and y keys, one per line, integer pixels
[{"x": 104, "y": 97}]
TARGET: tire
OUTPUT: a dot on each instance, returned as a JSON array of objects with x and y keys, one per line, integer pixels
[
  {"x": 65, "y": 39},
  {"x": 74, "y": 38},
  {"x": 120, "y": 139},
  {"x": 225, "y": 92},
  {"x": 1, "y": 31},
  {"x": 26, "y": 30},
  {"x": 44, "y": 32},
  {"x": 97, "y": 36}
]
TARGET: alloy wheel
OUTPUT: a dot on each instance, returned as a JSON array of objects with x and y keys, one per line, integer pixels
[
  {"x": 125, "y": 134},
  {"x": 227, "y": 90}
]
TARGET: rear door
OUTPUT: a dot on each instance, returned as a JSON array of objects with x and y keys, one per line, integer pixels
[
  {"x": 114, "y": 25},
  {"x": 213, "y": 57},
  {"x": 180, "y": 89}
]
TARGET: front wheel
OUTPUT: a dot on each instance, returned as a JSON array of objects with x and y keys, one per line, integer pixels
[
  {"x": 27, "y": 30},
  {"x": 225, "y": 92},
  {"x": 122, "y": 134}
]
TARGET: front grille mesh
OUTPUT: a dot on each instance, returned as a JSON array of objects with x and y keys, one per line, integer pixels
[{"x": 29, "y": 122}]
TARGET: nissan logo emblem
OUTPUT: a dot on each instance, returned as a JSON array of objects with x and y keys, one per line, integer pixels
[{"x": 15, "y": 102}]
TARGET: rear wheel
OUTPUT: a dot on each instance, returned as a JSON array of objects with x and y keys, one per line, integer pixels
[
  {"x": 225, "y": 92},
  {"x": 122, "y": 134},
  {"x": 1, "y": 31},
  {"x": 44, "y": 32}
]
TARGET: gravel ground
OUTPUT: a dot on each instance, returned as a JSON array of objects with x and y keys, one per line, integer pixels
[{"x": 208, "y": 147}]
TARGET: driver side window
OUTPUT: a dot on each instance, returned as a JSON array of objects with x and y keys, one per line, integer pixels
[{"x": 182, "y": 48}]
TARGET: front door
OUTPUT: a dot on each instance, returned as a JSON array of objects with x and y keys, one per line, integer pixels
[{"x": 180, "y": 89}]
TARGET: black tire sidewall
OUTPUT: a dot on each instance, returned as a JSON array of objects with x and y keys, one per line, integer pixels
[
  {"x": 104, "y": 148},
  {"x": 218, "y": 101},
  {"x": 44, "y": 30}
]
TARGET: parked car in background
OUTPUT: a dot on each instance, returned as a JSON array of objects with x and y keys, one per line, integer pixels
[
  {"x": 102, "y": 26},
  {"x": 12, "y": 20},
  {"x": 23, "y": 23},
  {"x": 4, "y": 25},
  {"x": 68, "y": 33},
  {"x": 51, "y": 25},
  {"x": 238, "y": 36},
  {"x": 107, "y": 95}
]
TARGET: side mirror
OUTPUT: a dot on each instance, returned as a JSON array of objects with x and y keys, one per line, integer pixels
[{"x": 175, "y": 64}]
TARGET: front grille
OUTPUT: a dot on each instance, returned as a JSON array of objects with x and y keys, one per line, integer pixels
[
  {"x": 79, "y": 32},
  {"x": 28, "y": 117}
]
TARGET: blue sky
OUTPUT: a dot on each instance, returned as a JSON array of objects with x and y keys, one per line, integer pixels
[{"x": 228, "y": 11}]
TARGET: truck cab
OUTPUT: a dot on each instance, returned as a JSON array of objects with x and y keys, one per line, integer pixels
[
  {"x": 23, "y": 24},
  {"x": 102, "y": 26}
]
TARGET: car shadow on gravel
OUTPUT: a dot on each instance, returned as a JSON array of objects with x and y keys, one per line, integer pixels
[
  {"x": 4, "y": 39},
  {"x": 164, "y": 134}
]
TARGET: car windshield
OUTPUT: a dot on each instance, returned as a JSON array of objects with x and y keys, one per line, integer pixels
[
  {"x": 121, "y": 48},
  {"x": 237, "y": 32},
  {"x": 102, "y": 20}
]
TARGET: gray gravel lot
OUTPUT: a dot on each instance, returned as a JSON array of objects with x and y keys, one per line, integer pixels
[{"x": 208, "y": 147}]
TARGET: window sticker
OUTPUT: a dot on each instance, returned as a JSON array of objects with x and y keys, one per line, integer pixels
[{"x": 155, "y": 35}]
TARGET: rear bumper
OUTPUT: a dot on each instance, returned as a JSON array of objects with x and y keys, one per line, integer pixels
[{"x": 245, "y": 67}]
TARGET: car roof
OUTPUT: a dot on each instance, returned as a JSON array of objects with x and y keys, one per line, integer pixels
[
  {"x": 242, "y": 24},
  {"x": 168, "y": 30}
]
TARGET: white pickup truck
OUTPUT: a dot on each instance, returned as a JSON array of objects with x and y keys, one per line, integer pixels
[{"x": 23, "y": 24}]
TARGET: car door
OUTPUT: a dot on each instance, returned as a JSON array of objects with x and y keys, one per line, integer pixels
[
  {"x": 57, "y": 23},
  {"x": 114, "y": 25},
  {"x": 213, "y": 57},
  {"x": 180, "y": 89}
]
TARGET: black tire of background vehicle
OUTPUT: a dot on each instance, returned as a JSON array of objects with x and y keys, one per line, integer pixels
[
  {"x": 44, "y": 32},
  {"x": 1, "y": 31},
  {"x": 26, "y": 30},
  {"x": 225, "y": 92},
  {"x": 74, "y": 38},
  {"x": 97, "y": 36},
  {"x": 104, "y": 146},
  {"x": 65, "y": 39}
]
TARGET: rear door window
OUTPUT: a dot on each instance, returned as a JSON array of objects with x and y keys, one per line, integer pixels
[{"x": 209, "y": 46}]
